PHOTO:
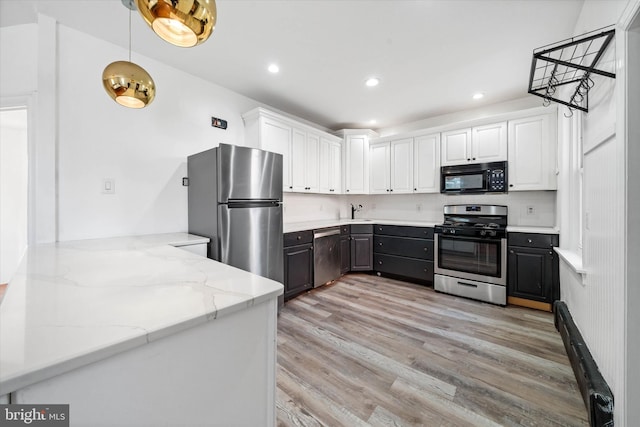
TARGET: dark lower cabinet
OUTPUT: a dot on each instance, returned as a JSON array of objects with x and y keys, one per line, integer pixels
[
  {"x": 298, "y": 263},
  {"x": 404, "y": 251},
  {"x": 532, "y": 270},
  {"x": 361, "y": 247}
]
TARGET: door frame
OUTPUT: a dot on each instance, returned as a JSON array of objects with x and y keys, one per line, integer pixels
[{"x": 27, "y": 102}]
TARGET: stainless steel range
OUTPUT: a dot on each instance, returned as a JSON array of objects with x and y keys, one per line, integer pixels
[{"x": 471, "y": 252}]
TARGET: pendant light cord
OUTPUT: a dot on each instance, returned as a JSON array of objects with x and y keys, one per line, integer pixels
[{"x": 129, "y": 35}]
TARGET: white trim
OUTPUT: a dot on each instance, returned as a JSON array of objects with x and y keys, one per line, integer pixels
[
  {"x": 626, "y": 118},
  {"x": 27, "y": 101},
  {"x": 573, "y": 260}
]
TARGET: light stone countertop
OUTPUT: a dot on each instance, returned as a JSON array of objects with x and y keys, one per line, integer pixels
[
  {"x": 532, "y": 229},
  {"x": 312, "y": 225},
  {"x": 74, "y": 303}
]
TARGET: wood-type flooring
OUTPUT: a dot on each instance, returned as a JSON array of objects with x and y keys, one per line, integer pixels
[{"x": 371, "y": 351}]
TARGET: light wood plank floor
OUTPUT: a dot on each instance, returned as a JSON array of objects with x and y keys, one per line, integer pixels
[{"x": 370, "y": 351}]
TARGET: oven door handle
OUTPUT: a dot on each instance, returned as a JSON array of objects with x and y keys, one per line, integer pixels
[
  {"x": 472, "y": 239},
  {"x": 470, "y": 285}
]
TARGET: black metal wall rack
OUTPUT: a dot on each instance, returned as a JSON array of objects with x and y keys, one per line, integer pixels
[{"x": 569, "y": 63}]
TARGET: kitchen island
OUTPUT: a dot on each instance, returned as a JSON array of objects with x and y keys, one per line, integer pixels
[{"x": 134, "y": 331}]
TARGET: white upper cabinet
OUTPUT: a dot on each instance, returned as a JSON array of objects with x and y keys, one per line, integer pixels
[
  {"x": 391, "y": 167},
  {"x": 276, "y": 136},
  {"x": 305, "y": 161},
  {"x": 426, "y": 163},
  {"x": 402, "y": 166},
  {"x": 299, "y": 145},
  {"x": 487, "y": 143},
  {"x": 456, "y": 147},
  {"x": 380, "y": 168},
  {"x": 330, "y": 167},
  {"x": 356, "y": 160},
  {"x": 532, "y": 153}
]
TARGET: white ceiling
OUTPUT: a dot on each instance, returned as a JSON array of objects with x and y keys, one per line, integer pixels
[{"x": 431, "y": 56}]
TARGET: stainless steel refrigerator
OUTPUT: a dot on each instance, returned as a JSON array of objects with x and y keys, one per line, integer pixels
[{"x": 235, "y": 199}]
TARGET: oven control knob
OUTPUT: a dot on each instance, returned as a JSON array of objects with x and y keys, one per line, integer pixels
[
  {"x": 492, "y": 233},
  {"x": 452, "y": 231},
  {"x": 483, "y": 232}
]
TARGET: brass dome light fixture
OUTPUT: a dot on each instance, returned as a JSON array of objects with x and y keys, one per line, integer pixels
[
  {"x": 183, "y": 23},
  {"x": 127, "y": 83}
]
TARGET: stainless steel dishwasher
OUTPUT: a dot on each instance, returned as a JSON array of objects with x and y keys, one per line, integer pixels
[{"x": 326, "y": 258}]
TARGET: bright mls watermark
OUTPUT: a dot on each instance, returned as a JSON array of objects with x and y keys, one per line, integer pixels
[{"x": 34, "y": 415}]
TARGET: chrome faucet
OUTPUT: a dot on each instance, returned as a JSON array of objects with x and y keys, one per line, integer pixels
[{"x": 355, "y": 209}]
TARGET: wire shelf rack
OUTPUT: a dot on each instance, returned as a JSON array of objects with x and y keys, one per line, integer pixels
[{"x": 569, "y": 63}]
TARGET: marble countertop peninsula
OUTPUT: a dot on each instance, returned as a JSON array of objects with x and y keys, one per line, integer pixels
[{"x": 74, "y": 303}]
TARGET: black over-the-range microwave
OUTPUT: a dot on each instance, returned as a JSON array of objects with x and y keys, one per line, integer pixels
[{"x": 474, "y": 178}]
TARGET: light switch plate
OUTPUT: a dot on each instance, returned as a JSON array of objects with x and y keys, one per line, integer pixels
[{"x": 108, "y": 186}]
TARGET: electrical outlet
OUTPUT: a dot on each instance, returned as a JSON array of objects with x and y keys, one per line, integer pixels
[
  {"x": 419, "y": 207},
  {"x": 531, "y": 210}
]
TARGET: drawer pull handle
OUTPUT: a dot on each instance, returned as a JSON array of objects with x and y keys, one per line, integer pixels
[
  {"x": 380, "y": 243},
  {"x": 299, "y": 237},
  {"x": 426, "y": 249},
  {"x": 529, "y": 240},
  {"x": 380, "y": 262},
  {"x": 470, "y": 285}
]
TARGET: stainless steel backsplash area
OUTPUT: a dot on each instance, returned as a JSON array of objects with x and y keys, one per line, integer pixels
[{"x": 526, "y": 208}]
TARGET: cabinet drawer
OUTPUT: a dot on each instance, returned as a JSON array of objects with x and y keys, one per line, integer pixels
[
  {"x": 361, "y": 228},
  {"x": 345, "y": 230},
  {"x": 404, "y": 231},
  {"x": 414, "y": 268},
  {"x": 403, "y": 246},
  {"x": 533, "y": 240},
  {"x": 298, "y": 238}
]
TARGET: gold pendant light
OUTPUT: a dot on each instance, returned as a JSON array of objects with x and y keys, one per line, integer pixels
[
  {"x": 128, "y": 83},
  {"x": 184, "y": 23}
]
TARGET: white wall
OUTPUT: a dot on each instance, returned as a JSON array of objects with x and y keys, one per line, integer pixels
[
  {"x": 461, "y": 116},
  {"x": 18, "y": 56},
  {"x": 597, "y": 304},
  {"x": 144, "y": 151},
  {"x": 90, "y": 137},
  {"x": 13, "y": 191}
]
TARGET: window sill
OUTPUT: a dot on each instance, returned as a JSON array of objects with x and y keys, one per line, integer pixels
[{"x": 573, "y": 260}]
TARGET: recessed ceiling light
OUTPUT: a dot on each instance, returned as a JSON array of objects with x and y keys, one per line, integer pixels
[
  {"x": 372, "y": 122},
  {"x": 372, "y": 81},
  {"x": 478, "y": 95},
  {"x": 273, "y": 68}
]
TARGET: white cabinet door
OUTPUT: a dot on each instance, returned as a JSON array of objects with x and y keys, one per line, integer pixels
[
  {"x": 312, "y": 162},
  {"x": 401, "y": 164},
  {"x": 380, "y": 164},
  {"x": 335, "y": 168},
  {"x": 298, "y": 160},
  {"x": 489, "y": 143},
  {"x": 324, "y": 165},
  {"x": 426, "y": 163},
  {"x": 456, "y": 146},
  {"x": 276, "y": 137},
  {"x": 304, "y": 161},
  {"x": 356, "y": 164},
  {"x": 532, "y": 153}
]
